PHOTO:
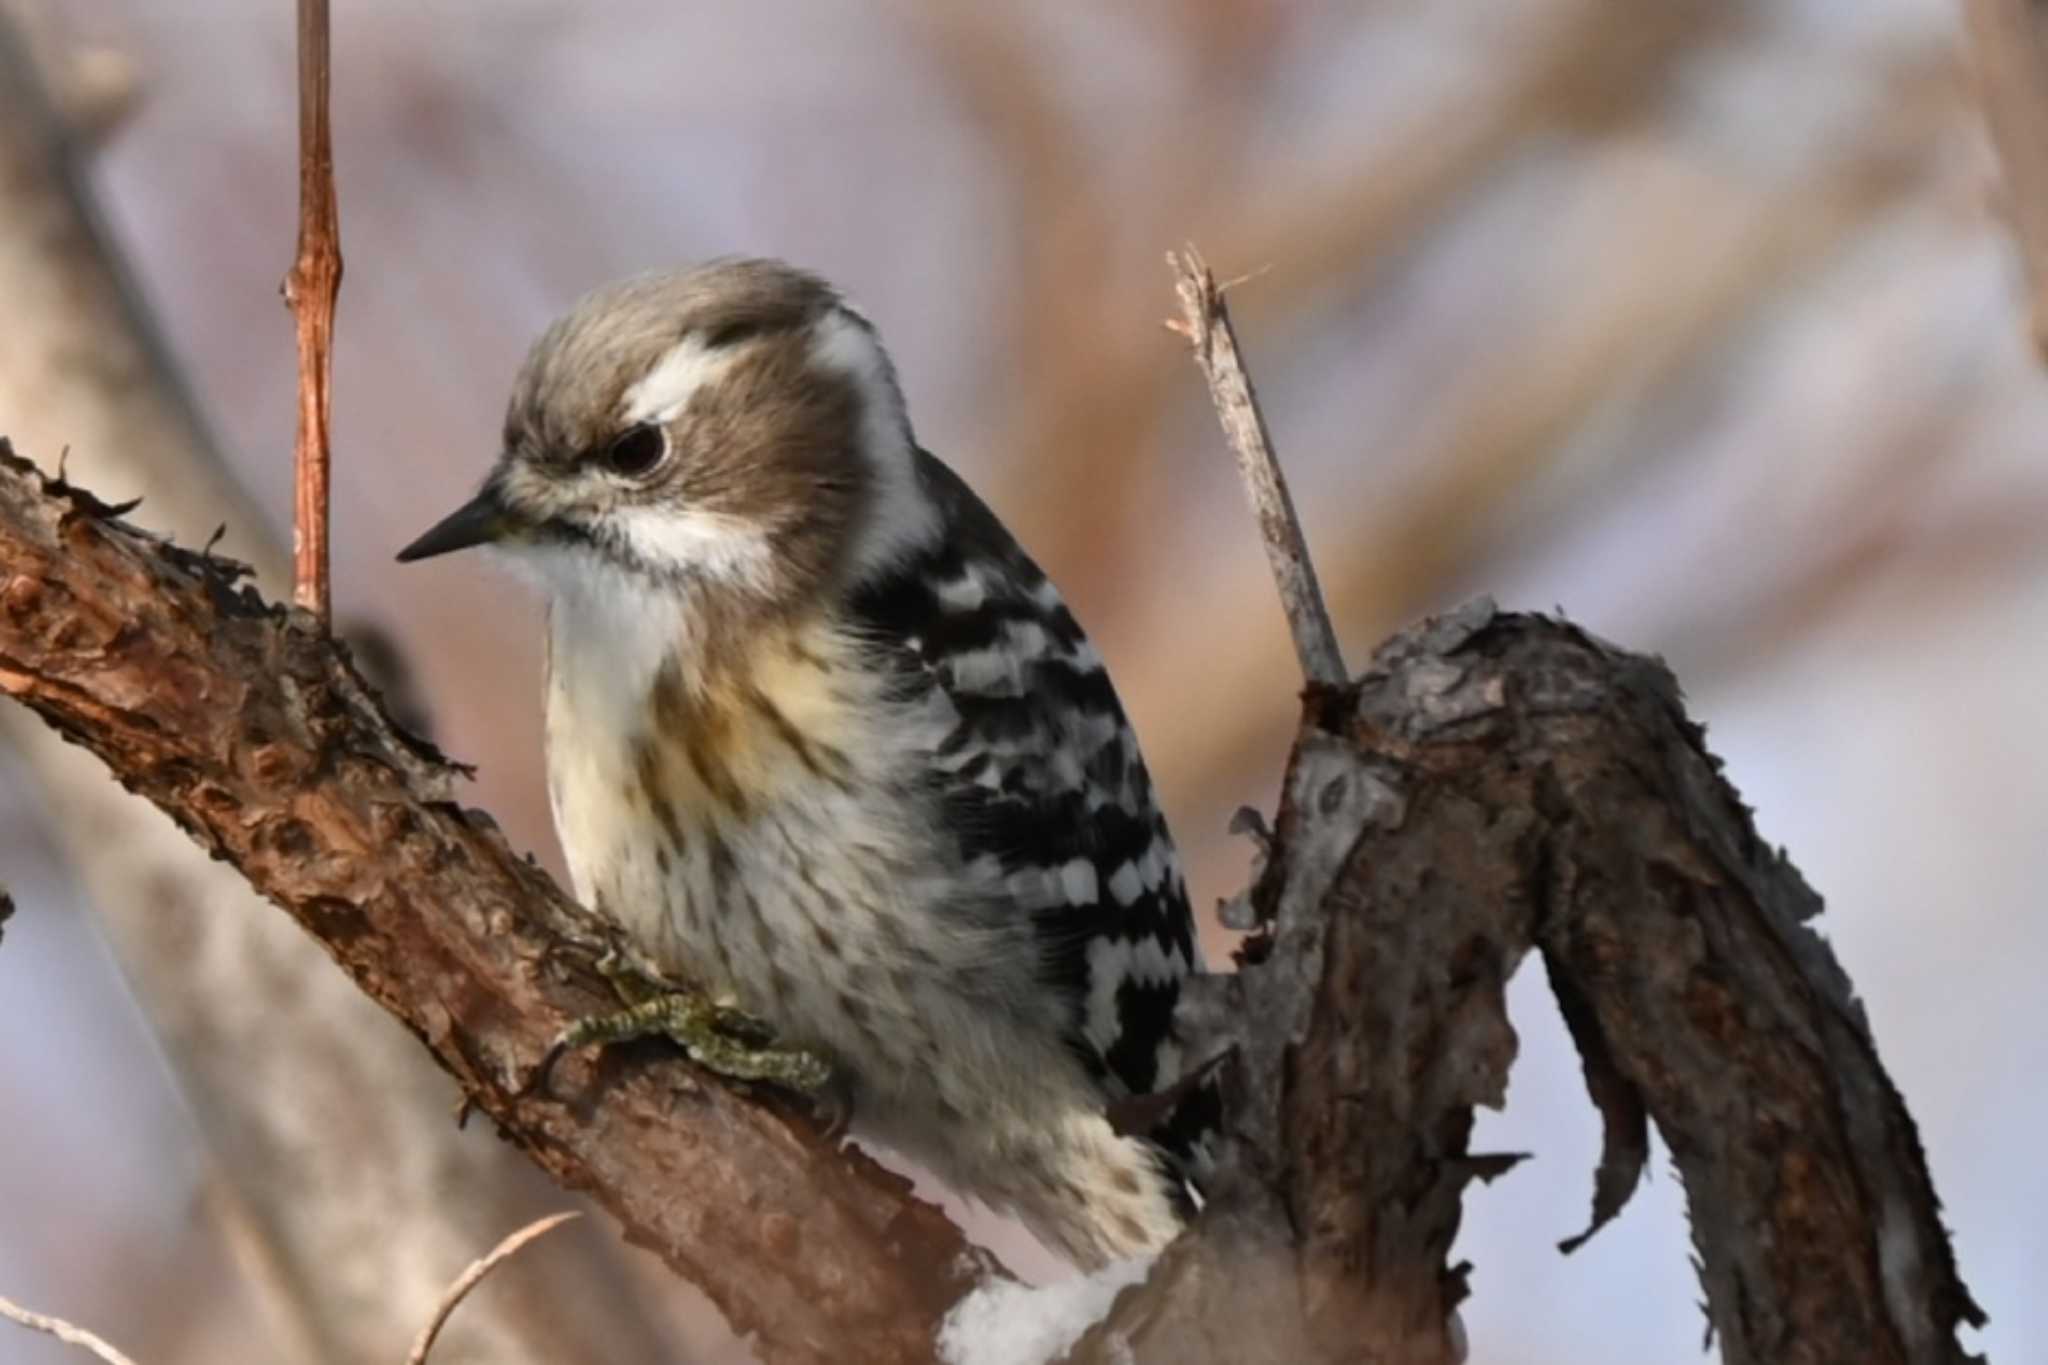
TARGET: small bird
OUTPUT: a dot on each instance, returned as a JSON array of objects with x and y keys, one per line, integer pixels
[{"x": 825, "y": 742}]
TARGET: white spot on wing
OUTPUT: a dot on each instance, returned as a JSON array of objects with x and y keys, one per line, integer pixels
[
  {"x": 1078, "y": 882},
  {"x": 1152, "y": 870},
  {"x": 1108, "y": 964},
  {"x": 998, "y": 670},
  {"x": 1026, "y": 639},
  {"x": 964, "y": 594},
  {"x": 990, "y": 672},
  {"x": 1126, "y": 885}
]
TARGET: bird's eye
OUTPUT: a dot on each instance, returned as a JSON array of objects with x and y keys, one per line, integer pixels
[{"x": 637, "y": 450}]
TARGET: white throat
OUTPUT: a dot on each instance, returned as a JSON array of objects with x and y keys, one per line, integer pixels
[{"x": 609, "y": 629}]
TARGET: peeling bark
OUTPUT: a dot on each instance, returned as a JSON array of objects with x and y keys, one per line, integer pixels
[{"x": 1494, "y": 785}]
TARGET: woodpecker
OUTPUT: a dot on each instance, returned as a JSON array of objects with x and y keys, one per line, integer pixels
[{"x": 825, "y": 742}]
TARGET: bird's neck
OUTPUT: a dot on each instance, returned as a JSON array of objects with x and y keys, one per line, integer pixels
[{"x": 617, "y": 643}]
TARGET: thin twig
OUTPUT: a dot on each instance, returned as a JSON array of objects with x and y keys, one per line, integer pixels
[
  {"x": 310, "y": 290},
  {"x": 2009, "y": 47},
  {"x": 472, "y": 1277},
  {"x": 1205, "y": 322},
  {"x": 65, "y": 1332}
]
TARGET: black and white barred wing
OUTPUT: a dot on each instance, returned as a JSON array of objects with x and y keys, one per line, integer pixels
[{"x": 1043, "y": 783}]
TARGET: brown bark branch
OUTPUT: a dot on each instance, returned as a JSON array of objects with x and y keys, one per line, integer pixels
[
  {"x": 254, "y": 732},
  {"x": 2009, "y": 49},
  {"x": 1205, "y": 322},
  {"x": 1496, "y": 785},
  {"x": 310, "y": 291}
]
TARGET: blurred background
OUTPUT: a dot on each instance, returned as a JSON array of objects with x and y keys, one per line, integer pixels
[{"x": 1697, "y": 320}]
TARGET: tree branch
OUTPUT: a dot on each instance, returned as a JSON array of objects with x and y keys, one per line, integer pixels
[
  {"x": 69, "y": 1333},
  {"x": 1205, "y": 322},
  {"x": 310, "y": 291},
  {"x": 254, "y": 732},
  {"x": 1495, "y": 785},
  {"x": 477, "y": 1271}
]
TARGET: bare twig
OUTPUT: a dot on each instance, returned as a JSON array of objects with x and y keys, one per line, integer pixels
[
  {"x": 1205, "y": 322},
  {"x": 474, "y": 1276},
  {"x": 65, "y": 1332},
  {"x": 2009, "y": 47},
  {"x": 310, "y": 291}
]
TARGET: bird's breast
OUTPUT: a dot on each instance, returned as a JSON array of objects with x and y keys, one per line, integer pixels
[{"x": 758, "y": 828}]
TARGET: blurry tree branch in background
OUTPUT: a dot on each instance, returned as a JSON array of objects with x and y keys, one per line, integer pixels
[
  {"x": 2009, "y": 48},
  {"x": 474, "y": 1275},
  {"x": 1580, "y": 65},
  {"x": 1500, "y": 462},
  {"x": 332, "y": 1167},
  {"x": 70, "y": 1333},
  {"x": 451, "y": 1299}
]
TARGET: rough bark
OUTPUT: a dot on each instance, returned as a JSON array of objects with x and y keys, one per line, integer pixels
[
  {"x": 1496, "y": 785},
  {"x": 254, "y": 732}
]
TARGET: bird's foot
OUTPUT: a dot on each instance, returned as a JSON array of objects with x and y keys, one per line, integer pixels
[
  {"x": 718, "y": 1036},
  {"x": 716, "y": 1033}
]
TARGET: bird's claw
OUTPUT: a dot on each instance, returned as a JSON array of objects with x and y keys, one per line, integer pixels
[{"x": 718, "y": 1036}]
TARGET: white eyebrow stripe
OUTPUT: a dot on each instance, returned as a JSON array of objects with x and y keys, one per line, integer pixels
[{"x": 665, "y": 390}]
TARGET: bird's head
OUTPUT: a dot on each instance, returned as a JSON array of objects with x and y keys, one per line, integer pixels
[{"x": 734, "y": 428}]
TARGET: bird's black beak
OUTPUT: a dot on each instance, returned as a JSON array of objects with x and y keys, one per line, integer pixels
[{"x": 477, "y": 522}]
